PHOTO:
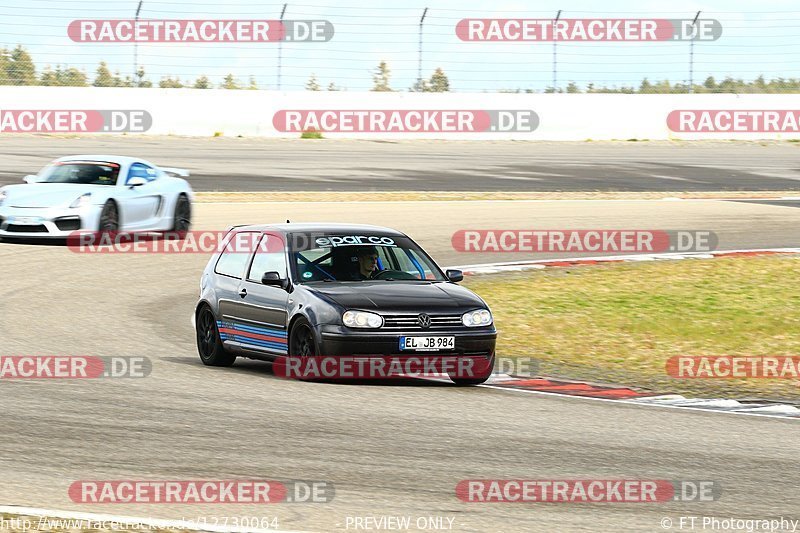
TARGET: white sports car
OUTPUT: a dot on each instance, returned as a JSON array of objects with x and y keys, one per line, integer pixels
[{"x": 96, "y": 193}]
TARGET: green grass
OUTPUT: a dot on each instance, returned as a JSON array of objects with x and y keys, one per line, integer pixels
[
  {"x": 311, "y": 134},
  {"x": 620, "y": 323}
]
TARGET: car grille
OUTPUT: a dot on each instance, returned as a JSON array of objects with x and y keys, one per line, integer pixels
[
  {"x": 68, "y": 224},
  {"x": 409, "y": 322},
  {"x": 13, "y": 228}
]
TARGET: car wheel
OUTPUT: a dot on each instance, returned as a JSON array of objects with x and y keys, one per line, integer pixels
[
  {"x": 301, "y": 340},
  {"x": 182, "y": 218},
  {"x": 109, "y": 217},
  {"x": 209, "y": 345}
]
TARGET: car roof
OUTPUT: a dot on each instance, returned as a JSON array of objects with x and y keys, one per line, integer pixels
[
  {"x": 322, "y": 227},
  {"x": 120, "y": 159}
]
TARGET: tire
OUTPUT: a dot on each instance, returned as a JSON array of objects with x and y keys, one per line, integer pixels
[
  {"x": 182, "y": 216},
  {"x": 209, "y": 345},
  {"x": 466, "y": 382},
  {"x": 109, "y": 217},
  {"x": 301, "y": 340}
]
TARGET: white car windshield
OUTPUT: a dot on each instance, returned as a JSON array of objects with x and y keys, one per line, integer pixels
[{"x": 84, "y": 173}]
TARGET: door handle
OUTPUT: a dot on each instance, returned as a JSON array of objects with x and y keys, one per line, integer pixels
[{"x": 243, "y": 293}]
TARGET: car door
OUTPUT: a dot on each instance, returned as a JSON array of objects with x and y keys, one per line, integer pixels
[
  {"x": 229, "y": 271},
  {"x": 140, "y": 204},
  {"x": 260, "y": 312}
]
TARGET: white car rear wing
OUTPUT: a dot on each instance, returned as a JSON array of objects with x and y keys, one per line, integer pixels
[{"x": 179, "y": 172}]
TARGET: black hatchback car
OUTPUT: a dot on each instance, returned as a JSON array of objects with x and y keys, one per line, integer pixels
[{"x": 303, "y": 290}]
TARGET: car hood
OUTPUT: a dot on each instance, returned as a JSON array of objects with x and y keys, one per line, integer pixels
[
  {"x": 50, "y": 194},
  {"x": 399, "y": 296}
]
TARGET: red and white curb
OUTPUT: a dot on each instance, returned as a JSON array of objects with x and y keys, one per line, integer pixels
[
  {"x": 47, "y": 520},
  {"x": 587, "y": 391},
  {"x": 534, "y": 264}
]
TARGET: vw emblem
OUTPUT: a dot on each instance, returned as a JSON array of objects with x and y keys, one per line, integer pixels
[{"x": 424, "y": 320}]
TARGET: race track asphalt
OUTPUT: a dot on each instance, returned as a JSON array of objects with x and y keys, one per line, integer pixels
[
  {"x": 247, "y": 164},
  {"x": 389, "y": 449}
]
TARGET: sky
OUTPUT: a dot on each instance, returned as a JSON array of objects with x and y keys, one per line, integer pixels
[{"x": 757, "y": 38}]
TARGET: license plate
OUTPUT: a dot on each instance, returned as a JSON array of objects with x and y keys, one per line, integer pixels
[
  {"x": 427, "y": 344},
  {"x": 25, "y": 221}
]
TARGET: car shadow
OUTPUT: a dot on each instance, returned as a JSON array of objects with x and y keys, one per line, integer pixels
[
  {"x": 264, "y": 368},
  {"x": 38, "y": 242}
]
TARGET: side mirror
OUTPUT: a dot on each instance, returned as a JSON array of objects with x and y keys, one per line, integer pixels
[
  {"x": 30, "y": 178},
  {"x": 274, "y": 279},
  {"x": 136, "y": 182},
  {"x": 454, "y": 275}
]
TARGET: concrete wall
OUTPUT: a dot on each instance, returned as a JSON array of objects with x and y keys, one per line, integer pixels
[{"x": 574, "y": 117}]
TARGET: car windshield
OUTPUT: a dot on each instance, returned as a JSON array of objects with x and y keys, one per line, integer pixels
[
  {"x": 362, "y": 257},
  {"x": 84, "y": 173}
]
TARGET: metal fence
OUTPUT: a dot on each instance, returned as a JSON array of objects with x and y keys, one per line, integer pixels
[{"x": 418, "y": 45}]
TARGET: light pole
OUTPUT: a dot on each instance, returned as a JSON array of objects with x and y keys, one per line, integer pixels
[
  {"x": 280, "y": 47},
  {"x": 555, "y": 58},
  {"x": 419, "y": 65},
  {"x": 136, "y": 46},
  {"x": 691, "y": 54}
]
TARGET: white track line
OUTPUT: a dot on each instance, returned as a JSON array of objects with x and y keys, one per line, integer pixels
[
  {"x": 153, "y": 522},
  {"x": 642, "y": 403},
  {"x": 541, "y": 263}
]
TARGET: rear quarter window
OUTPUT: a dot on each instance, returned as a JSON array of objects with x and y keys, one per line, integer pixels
[{"x": 235, "y": 258}]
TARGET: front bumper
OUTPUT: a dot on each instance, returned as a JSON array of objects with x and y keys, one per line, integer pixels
[
  {"x": 341, "y": 341},
  {"x": 44, "y": 222}
]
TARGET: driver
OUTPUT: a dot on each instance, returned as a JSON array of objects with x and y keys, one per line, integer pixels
[{"x": 367, "y": 262}]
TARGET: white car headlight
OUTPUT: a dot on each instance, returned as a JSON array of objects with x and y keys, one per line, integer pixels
[
  {"x": 3, "y": 195},
  {"x": 477, "y": 318},
  {"x": 362, "y": 319},
  {"x": 81, "y": 200}
]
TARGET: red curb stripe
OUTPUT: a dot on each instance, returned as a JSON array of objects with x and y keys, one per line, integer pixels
[
  {"x": 572, "y": 389},
  {"x": 572, "y": 263},
  {"x": 566, "y": 388},
  {"x": 750, "y": 254},
  {"x": 529, "y": 383},
  {"x": 612, "y": 393}
]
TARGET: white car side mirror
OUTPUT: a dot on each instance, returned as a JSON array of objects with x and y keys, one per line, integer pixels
[
  {"x": 136, "y": 182},
  {"x": 30, "y": 178}
]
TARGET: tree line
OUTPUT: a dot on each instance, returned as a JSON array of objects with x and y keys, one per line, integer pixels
[{"x": 17, "y": 68}]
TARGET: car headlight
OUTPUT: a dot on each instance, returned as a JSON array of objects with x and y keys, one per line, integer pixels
[
  {"x": 477, "y": 318},
  {"x": 81, "y": 200},
  {"x": 3, "y": 195},
  {"x": 361, "y": 319}
]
